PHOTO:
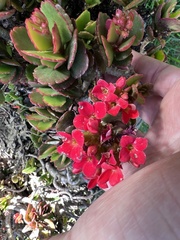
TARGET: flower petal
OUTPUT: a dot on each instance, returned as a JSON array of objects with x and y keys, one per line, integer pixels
[
  {"x": 116, "y": 177},
  {"x": 92, "y": 183},
  {"x": 126, "y": 140},
  {"x": 78, "y": 136},
  {"x": 89, "y": 169},
  {"x": 104, "y": 177},
  {"x": 76, "y": 153},
  {"x": 99, "y": 109},
  {"x": 93, "y": 125},
  {"x": 65, "y": 148},
  {"x": 124, "y": 155},
  {"x": 140, "y": 143},
  {"x": 137, "y": 157},
  {"x": 65, "y": 136},
  {"x": 122, "y": 103},
  {"x": 80, "y": 122},
  {"x": 86, "y": 109}
]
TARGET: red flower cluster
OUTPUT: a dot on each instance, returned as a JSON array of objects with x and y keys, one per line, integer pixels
[{"x": 99, "y": 146}]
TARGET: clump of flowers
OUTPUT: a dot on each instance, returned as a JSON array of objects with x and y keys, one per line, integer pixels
[{"x": 105, "y": 134}]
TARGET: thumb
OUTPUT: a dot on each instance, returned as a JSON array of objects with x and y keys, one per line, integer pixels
[{"x": 144, "y": 206}]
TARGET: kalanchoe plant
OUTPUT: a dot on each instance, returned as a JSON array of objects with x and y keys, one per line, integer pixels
[
  {"x": 69, "y": 54},
  {"x": 105, "y": 134}
]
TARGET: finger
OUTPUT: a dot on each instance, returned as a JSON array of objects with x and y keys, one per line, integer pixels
[
  {"x": 160, "y": 74},
  {"x": 145, "y": 206}
]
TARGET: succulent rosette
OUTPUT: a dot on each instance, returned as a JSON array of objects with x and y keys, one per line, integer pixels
[
  {"x": 119, "y": 34},
  {"x": 49, "y": 39},
  {"x": 166, "y": 19}
]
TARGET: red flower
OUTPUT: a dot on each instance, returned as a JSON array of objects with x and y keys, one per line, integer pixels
[
  {"x": 111, "y": 172},
  {"x": 90, "y": 116},
  {"x": 113, "y": 108},
  {"x": 72, "y": 145},
  {"x": 88, "y": 163},
  {"x": 104, "y": 91},
  {"x": 129, "y": 113},
  {"x": 111, "y": 176},
  {"x": 132, "y": 150}
]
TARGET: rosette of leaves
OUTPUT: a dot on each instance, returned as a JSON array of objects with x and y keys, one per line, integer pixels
[
  {"x": 116, "y": 36},
  {"x": 165, "y": 22},
  {"x": 166, "y": 19},
  {"x": 50, "y": 41}
]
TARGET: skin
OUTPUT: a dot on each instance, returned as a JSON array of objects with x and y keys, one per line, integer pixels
[{"x": 146, "y": 205}]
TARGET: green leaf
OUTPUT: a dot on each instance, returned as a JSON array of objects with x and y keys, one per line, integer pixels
[
  {"x": 43, "y": 112},
  {"x": 85, "y": 35},
  {"x": 48, "y": 76},
  {"x": 46, "y": 150},
  {"x": 90, "y": 27},
  {"x": 6, "y": 78},
  {"x": 92, "y": 3},
  {"x": 108, "y": 50},
  {"x": 54, "y": 101},
  {"x": 112, "y": 35},
  {"x": 54, "y": 156},
  {"x": 42, "y": 126},
  {"x": 137, "y": 29},
  {"x": 29, "y": 72},
  {"x": 37, "y": 117},
  {"x": 167, "y": 8},
  {"x": 2, "y": 4},
  {"x": 160, "y": 55},
  {"x": 36, "y": 99},
  {"x": 120, "y": 56},
  {"x": 62, "y": 162},
  {"x": 101, "y": 26},
  {"x": 57, "y": 15},
  {"x": 170, "y": 24},
  {"x": 46, "y": 55},
  {"x": 36, "y": 138},
  {"x": 29, "y": 170},
  {"x": 65, "y": 121},
  {"x": 47, "y": 91},
  {"x": 133, "y": 4},
  {"x": 133, "y": 79},
  {"x": 41, "y": 42},
  {"x": 82, "y": 20},
  {"x": 127, "y": 44},
  {"x": 72, "y": 49},
  {"x": 81, "y": 61},
  {"x": 21, "y": 42},
  {"x": 5, "y": 69},
  {"x": 175, "y": 14}
]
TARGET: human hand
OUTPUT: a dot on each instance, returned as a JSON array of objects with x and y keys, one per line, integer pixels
[
  {"x": 146, "y": 205},
  {"x": 161, "y": 110}
]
